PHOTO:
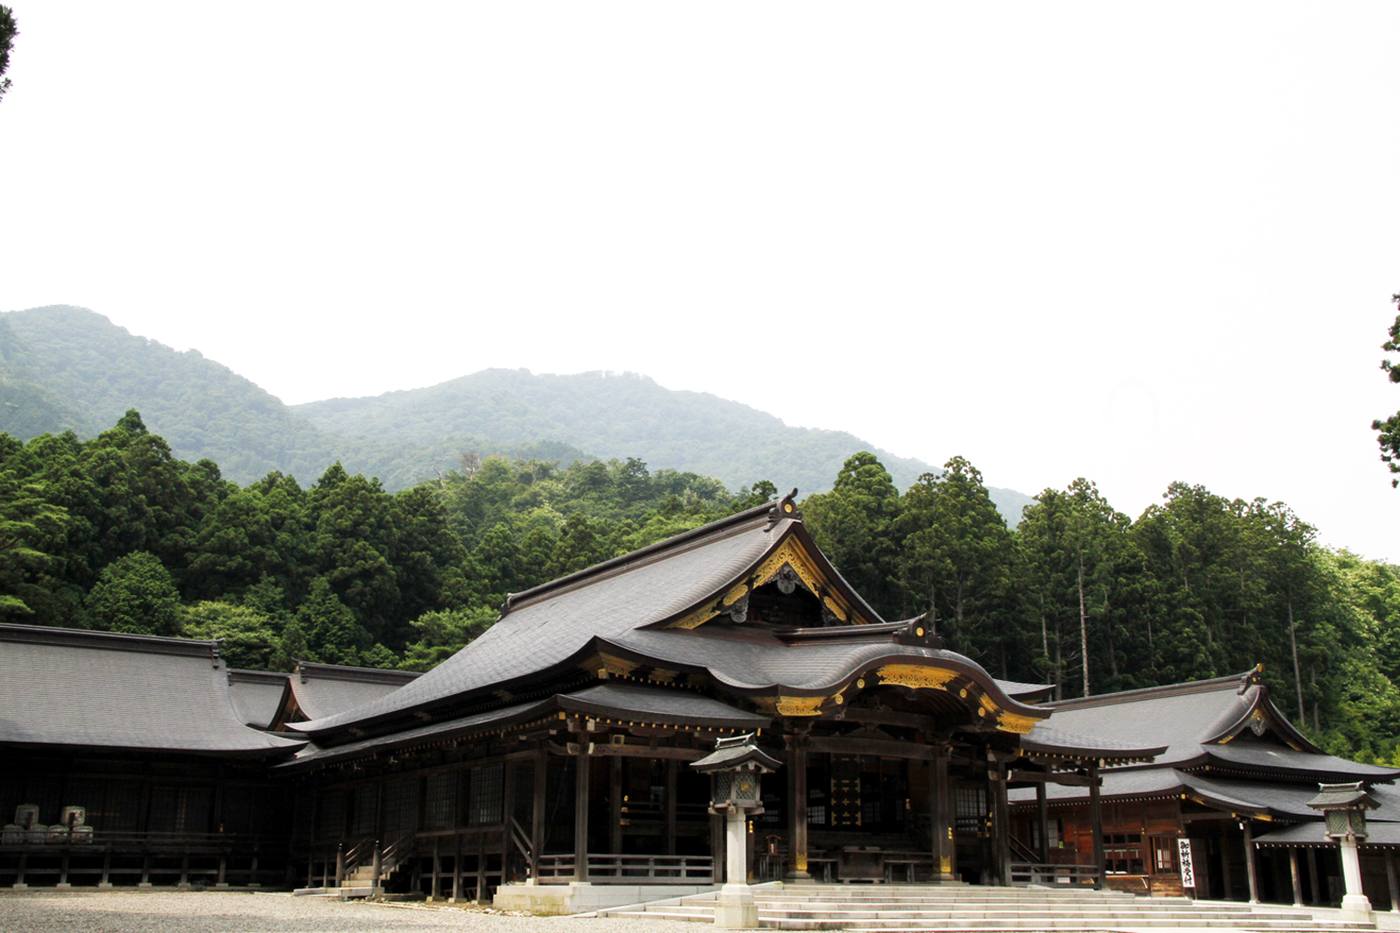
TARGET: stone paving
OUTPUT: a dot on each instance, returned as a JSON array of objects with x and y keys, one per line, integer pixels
[{"x": 236, "y": 912}]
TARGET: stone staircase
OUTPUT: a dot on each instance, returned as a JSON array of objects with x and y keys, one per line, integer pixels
[
  {"x": 890, "y": 908},
  {"x": 357, "y": 883}
]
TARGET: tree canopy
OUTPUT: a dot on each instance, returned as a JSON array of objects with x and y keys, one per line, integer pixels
[{"x": 117, "y": 533}]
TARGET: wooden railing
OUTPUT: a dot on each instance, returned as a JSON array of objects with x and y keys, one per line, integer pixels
[
  {"x": 1043, "y": 873},
  {"x": 618, "y": 868}
]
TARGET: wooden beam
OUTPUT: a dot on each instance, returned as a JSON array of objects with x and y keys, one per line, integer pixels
[
  {"x": 1250, "y": 869},
  {"x": 878, "y": 748},
  {"x": 1065, "y": 779},
  {"x": 797, "y": 808},
  {"x": 615, "y": 804},
  {"x": 945, "y": 851},
  {"x": 1042, "y": 819},
  {"x": 581, "y": 809},
  {"x": 885, "y": 717},
  {"x": 648, "y": 752},
  {"x": 1096, "y": 823},
  {"x": 537, "y": 813},
  {"x": 672, "y": 769}
]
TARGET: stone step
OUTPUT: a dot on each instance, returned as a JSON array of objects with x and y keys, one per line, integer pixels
[
  {"x": 345, "y": 891},
  {"x": 1043, "y": 923},
  {"x": 1015, "y": 915}
]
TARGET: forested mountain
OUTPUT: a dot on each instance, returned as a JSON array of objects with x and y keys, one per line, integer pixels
[
  {"x": 616, "y": 416},
  {"x": 67, "y": 368},
  {"x": 117, "y": 533},
  {"x": 64, "y": 368}
]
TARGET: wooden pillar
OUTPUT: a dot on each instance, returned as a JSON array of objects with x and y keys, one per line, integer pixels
[
  {"x": 1225, "y": 877},
  {"x": 1042, "y": 822},
  {"x": 797, "y": 809},
  {"x": 1001, "y": 832},
  {"x": 457, "y": 869},
  {"x": 615, "y": 805},
  {"x": 145, "y": 881},
  {"x": 63, "y": 884},
  {"x": 1250, "y": 870},
  {"x": 581, "y": 762},
  {"x": 480, "y": 868},
  {"x": 1096, "y": 823},
  {"x": 106, "y": 881},
  {"x": 1295, "y": 876},
  {"x": 940, "y": 790},
  {"x": 672, "y": 775},
  {"x": 437, "y": 871},
  {"x": 537, "y": 813},
  {"x": 221, "y": 880},
  {"x": 340, "y": 864},
  {"x": 1313, "y": 886},
  {"x": 19, "y": 884},
  {"x": 507, "y": 818},
  {"x": 1390, "y": 881}
]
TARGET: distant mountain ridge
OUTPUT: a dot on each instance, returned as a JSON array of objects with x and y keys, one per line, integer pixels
[{"x": 69, "y": 368}]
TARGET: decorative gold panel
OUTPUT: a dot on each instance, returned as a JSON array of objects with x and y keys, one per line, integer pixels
[
  {"x": 792, "y": 706},
  {"x": 1015, "y": 722},
  {"x": 790, "y": 553},
  {"x": 918, "y": 676}
]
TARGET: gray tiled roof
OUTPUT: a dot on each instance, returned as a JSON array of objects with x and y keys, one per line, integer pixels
[
  {"x": 257, "y": 695},
  {"x": 1312, "y": 834},
  {"x": 322, "y": 690},
  {"x": 1329, "y": 767},
  {"x": 1048, "y": 740},
  {"x": 66, "y": 687},
  {"x": 1179, "y": 717},
  {"x": 1279, "y": 799},
  {"x": 618, "y": 606},
  {"x": 1156, "y": 782},
  {"x": 627, "y": 702},
  {"x": 548, "y": 627}
]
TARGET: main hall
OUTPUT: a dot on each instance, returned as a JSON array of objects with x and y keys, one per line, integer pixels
[{"x": 547, "y": 765}]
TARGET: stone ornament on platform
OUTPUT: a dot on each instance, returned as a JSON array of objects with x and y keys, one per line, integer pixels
[
  {"x": 1344, "y": 809},
  {"x": 737, "y": 765}
]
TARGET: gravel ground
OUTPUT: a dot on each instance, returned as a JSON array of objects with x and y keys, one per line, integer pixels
[{"x": 233, "y": 912}]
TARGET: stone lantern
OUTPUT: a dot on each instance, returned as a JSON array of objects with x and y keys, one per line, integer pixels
[
  {"x": 737, "y": 764},
  {"x": 1344, "y": 809}
]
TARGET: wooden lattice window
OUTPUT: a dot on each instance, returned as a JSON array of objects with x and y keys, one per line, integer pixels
[
  {"x": 485, "y": 794},
  {"x": 440, "y": 801}
]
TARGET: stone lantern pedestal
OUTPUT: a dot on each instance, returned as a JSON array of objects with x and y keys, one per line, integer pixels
[
  {"x": 736, "y": 765},
  {"x": 1344, "y": 809}
]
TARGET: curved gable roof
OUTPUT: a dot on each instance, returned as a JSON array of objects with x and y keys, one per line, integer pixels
[
  {"x": 1180, "y": 716},
  {"x": 547, "y": 625}
]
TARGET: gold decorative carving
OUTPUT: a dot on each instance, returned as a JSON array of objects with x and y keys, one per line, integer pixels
[
  {"x": 836, "y": 608},
  {"x": 615, "y": 667},
  {"x": 1015, "y": 722},
  {"x": 790, "y": 553},
  {"x": 800, "y": 861},
  {"x": 918, "y": 676},
  {"x": 696, "y": 618},
  {"x": 796, "y": 706}
]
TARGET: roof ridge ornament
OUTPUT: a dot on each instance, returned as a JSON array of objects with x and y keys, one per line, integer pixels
[{"x": 786, "y": 507}]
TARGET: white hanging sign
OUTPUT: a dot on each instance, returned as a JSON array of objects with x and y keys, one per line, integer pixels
[{"x": 1188, "y": 870}]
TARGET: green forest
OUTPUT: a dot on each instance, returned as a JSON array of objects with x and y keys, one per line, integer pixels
[
  {"x": 117, "y": 533},
  {"x": 66, "y": 368}
]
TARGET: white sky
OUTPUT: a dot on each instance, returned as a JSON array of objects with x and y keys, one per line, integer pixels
[{"x": 1136, "y": 242}]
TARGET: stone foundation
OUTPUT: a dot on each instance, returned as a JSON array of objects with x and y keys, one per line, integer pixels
[{"x": 576, "y": 898}]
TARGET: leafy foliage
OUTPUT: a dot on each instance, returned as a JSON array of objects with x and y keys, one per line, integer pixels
[
  {"x": 118, "y": 533},
  {"x": 1389, "y": 428}
]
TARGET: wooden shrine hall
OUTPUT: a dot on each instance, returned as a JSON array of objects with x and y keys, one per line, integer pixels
[{"x": 547, "y": 764}]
